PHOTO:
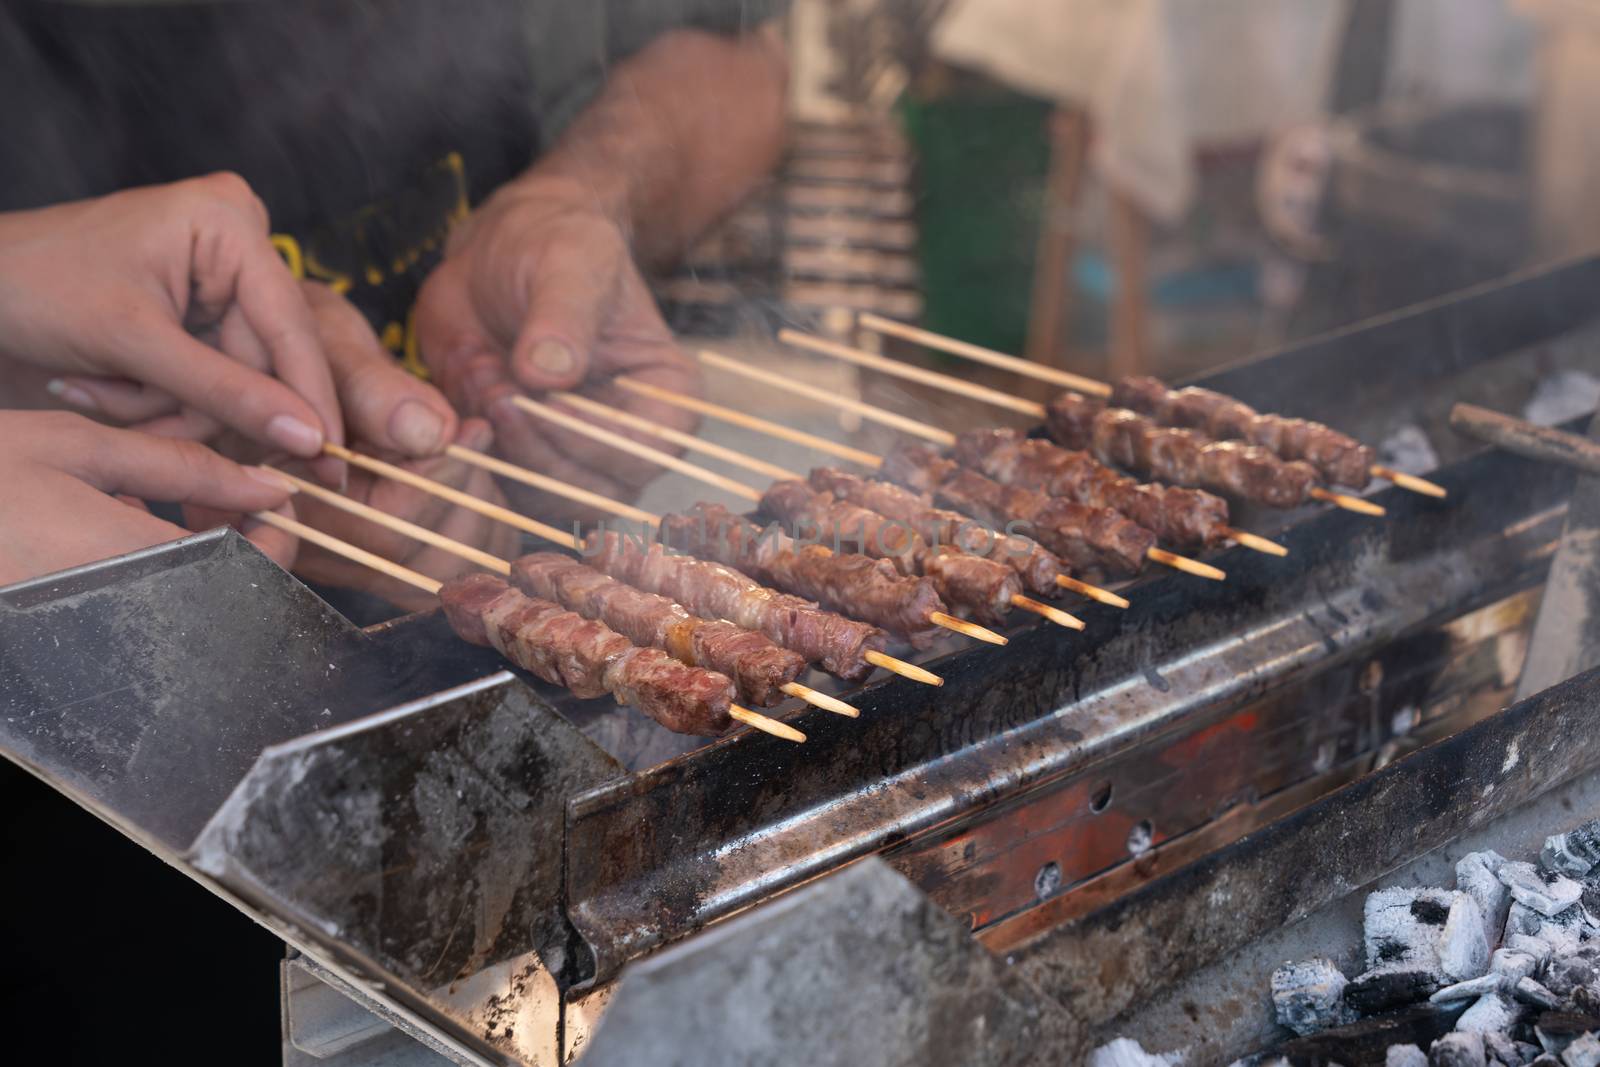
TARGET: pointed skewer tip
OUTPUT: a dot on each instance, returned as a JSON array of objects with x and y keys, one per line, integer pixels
[
  {"x": 970, "y": 629},
  {"x": 821, "y": 700},
  {"x": 1186, "y": 565},
  {"x": 1411, "y": 482},
  {"x": 1055, "y": 615},
  {"x": 765, "y": 724},
  {"x": 902, "y": 668},
  {"x": 1093, "y": 592}
]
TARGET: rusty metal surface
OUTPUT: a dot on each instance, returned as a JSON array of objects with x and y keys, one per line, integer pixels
[
  {"x": 856, "y": 970},
  {"x": 664, "y": 853},
  {"x": 1117, "y": 957},
  {"x": 425, "y": 840}
]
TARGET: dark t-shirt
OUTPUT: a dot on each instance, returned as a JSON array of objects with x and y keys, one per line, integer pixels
[{"x": 367, "y": 126}]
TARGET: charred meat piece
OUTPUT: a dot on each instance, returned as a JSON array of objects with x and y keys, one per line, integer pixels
[
  {"x": 1135, "y": 442},
  {"x": 1187, "y": 517},
  {"x": 1036, "y": 566},
  {"x": 981, "y": 586},
  {"x": 758, "y": 667},
  {"x": 837, "y": 644},
  {"x": 869, "y": 589},
  {"x": 587, "y": 657},
  {"x": 1337, "y": 457}
]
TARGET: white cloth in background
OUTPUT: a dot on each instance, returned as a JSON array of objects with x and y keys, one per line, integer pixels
[
  {"x": 1162, "y": 78},
  {"x": 1158, "y": 77}
]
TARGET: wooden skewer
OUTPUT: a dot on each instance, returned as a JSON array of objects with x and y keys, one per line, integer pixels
[
  {"x": 1349, "y": 503},
  {"x": 901, "y": 667},
  {"x": 431, "y": 585},
  {"x": 1054, "y": 614},
  {"x": 455, "y": 496},
  {"x": 398, "y": 525},
  {"x": 1410, "y": 481},
  {"x": 932, "y": 433},
  {"x": 1093, "y": 592},
  {"x": 1079, "y": 384},
  {"x": 550, "y": 485},
  {"x": 1254, "y": 541},
  {"x": 749, "y": 422},
  {"x": 866, "y": 411},
  {"x": 1026, "y": 367},
  {"x": 686, "y": 441},
  {"x": 910, "y": 373},
  {"x": 634, "y": 448},
  {"x": 494, "y": 511},
  {"x": 349, "y": 551},
  {"x": 938, "y": 618},
  {"x": 962, "y": 626},
  {"x": 1185, "y": 564},
  {"x": 764, "y": 724},
  {"x": 498, "y": 565}
]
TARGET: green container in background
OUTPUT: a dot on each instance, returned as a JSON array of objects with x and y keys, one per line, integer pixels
[{"x": 983, "y": 159}]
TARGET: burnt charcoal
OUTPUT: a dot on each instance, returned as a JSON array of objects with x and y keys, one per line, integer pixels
[
  {"x": 1583, "y": 1052},
  {"x": 1368, "y": 1040},
  {"x": 1558, "y": 1029},
  {"x": 1563, "y": 976},
  {"x": 1405, "y": 1056},
  {"x": 1501, "y": 1051},
  {"x": 1463, "y": 943},
  {"x": 1547, "y": 892},
  {"x": 1586, "y": 999},
  {"x": 1429, "y": 912},
  {"x": 1535, "y": 995},
  {"x": 1492, "y": 1014},
  {"x": 1476, "y": 876},
  {"x": 1546, "y": 1060},
  {"x": 1389, "y": 987},
  {"x": 1574, "y": 853},
  {"x": 1308, "y": 997},
  {"x": 1458, "y": 1050}
]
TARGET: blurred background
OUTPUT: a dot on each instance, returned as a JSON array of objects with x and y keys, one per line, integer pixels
[{"x": 1162, "y": 186}]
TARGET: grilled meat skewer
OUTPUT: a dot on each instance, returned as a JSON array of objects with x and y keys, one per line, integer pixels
[
  {"x": 984, "y": 587},
  {"x": 1135, "y": 442},
  {"x": 1035, "y": 565},
  {"x": 1177, "y": 516},
  {"x": 1089, "y": 539},
  {"x": 713, "y": 591},
  {"x": 869, "y": 589},
  {"x": 759, "y": 668},
  {"x": 585, "y": 656},
  {"x": 1339, "y": 458}
]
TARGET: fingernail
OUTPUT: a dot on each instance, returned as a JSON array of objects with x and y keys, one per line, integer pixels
[
  {"x": 290, "y": 433},
  {"x": 417, "y": 428},
  {"x": 552, "y": 359},
  {"x": 70, "y": 394},
  {"x": 271, "y": 477}
]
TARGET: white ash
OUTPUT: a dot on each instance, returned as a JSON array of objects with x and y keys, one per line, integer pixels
[
  {"x": 1501, "y": 1051},
  {"x": 1584, "y": 1052},
  {"x": 1494, "y": 1013},
  {"x": 1473, "y": 988},
  {"x": 1566, "y": 975},
  {"x": 1402, "y": 925},
  {"x": 1405, "y": 1056},
  {"x": 1408, "y": 449},
  {"x": 1535, "y": 995},
  {"x": 1458, "y": 1049},
  {"x": 1514, "y": 962},
  {"x": 1309, "y": 997},
  {"x": 1463, "y": 943},
  {"x": 1574, "y": 853},
  {"x": 1477, "y": 875},
  {"x": 1547, "y": 892},
  {"x": 1562, "y": 396},
  {"x": 1126, "y": 1052}
]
